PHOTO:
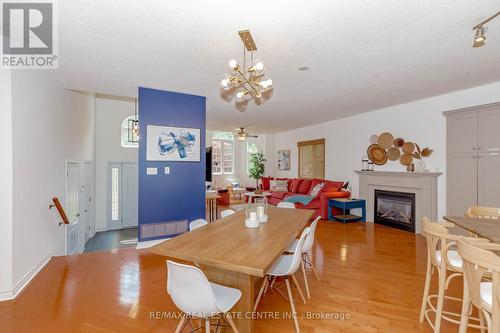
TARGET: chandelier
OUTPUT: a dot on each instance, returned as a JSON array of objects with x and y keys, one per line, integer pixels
[{"x": 246, "y": 82}]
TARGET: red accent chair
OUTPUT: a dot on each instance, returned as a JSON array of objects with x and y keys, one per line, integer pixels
[{"x": 224, "y": 199}]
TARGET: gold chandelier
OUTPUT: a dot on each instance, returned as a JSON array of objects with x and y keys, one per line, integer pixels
[{"x": 246, "y": 81}]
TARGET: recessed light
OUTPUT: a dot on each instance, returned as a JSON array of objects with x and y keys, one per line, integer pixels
[{"x": 303, "y": 68}]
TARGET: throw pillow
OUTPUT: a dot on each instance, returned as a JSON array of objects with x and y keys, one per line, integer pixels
[
  {"x": 294, "y": 186},
  {"x": 332, "y": 186},
  {"x": 288, "y": 181},
  {"x": 305, "y": 186},
  {"x": 316, "y": 190},
  {"x": 279, "y": 185},
  {"x": 266, "y": 182}
]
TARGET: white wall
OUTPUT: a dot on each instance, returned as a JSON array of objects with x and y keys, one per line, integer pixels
[
  {"x": 6, "y": 185},
  {"x": 347, "y": 139},
  {"x": 50, "y": 124},
  {"x": 110, "y": 114}
]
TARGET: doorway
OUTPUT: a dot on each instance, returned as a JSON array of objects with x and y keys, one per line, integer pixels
[
  {"x": 122, "y": 195},
  {"x": 71, "y": 206}
]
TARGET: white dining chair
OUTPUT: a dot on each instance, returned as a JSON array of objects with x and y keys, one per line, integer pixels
[
  {"x": 286, "y": 266},
  {"x": 285, "y": 204},
  {"x": 306, "y": 254},
  {"x": 226, "y": 213},
  {"x": 197, "y": 224},
  {"x": 197, "y": 297}
]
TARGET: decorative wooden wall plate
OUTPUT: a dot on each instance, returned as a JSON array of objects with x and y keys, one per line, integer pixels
[
  {"x": 399, "y": 142},
  {"x": 377, "y": 154},
  {"x": 393, "y": 153},
  {"x": 406, "y": 159},
  {"x": 385, "y": 140},
  {"x": 408, "y": 148}
]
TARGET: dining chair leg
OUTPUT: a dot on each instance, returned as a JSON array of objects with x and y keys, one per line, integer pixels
[
  {"x": 181, "y": 324},
  {"x": 428, "y": 277},
  {"x": 290, "y": 297},
  {"x": 440, "y": 302},
  {"x": 272, "y": 282},
  {"x": 481, "y": 320},
  {"x": 231, "y": 323},
  {"x": 261, "y": 291},
  {"x": 294, "y": 279},
  {"x": 466, "y": 305},
  {"x": 207, "y": 325},
  {"x": 267, "y": 285},
  {"x": 309, "y": 257},
  {"x": 303, "y": 268}
]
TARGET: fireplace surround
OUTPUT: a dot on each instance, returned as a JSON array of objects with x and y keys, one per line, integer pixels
[{"x": 424, "y": 185}]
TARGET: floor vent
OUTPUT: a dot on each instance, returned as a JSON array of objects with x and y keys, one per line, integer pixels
[{"x": 169, "y": 228}]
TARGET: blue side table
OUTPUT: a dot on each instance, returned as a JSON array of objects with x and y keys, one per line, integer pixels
[{"x": 346, "y": 205}]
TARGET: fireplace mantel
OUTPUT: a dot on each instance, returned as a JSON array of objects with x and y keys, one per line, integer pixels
[{"x": 423, "y": 184}]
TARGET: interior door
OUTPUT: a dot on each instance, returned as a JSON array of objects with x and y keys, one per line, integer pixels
[
  {"x": 71, "y": 206},
  {"x": 130, "y": 199},
  {"x": 122, "y": 195},
  {"x": 87, "y": 201}
]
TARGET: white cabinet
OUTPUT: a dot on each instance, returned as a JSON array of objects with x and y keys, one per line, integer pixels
[{"x": 473, "y": 158}]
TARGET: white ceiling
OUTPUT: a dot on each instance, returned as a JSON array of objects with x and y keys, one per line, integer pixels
[{"x": 363, "y": 54}]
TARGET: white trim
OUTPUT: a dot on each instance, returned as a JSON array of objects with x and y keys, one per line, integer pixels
[
  {"x": 150, "y": 243},
  {"x": 25, "y": 280},
  {"x": 100, "y": 229}
]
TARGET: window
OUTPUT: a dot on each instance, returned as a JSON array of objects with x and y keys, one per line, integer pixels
[
  {"x": 130, "y": 138},
  {"x": 115, "y": 192},
  {"x": 251, "y": 149},
  {"x": 312, "y": 159},
  {"x": 222, "y": 153}
]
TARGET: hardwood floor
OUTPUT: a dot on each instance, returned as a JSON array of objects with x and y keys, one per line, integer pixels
[{"x": 374, "y": 274}]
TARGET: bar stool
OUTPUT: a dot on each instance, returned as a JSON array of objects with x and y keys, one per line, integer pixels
[
  {"x": 478, "y": 262},
  {"x": 444, "y": 259},
  {"x": 483, "y": 212}
]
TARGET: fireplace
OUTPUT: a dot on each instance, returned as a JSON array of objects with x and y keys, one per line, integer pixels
[{"x": 395, "y": 209}]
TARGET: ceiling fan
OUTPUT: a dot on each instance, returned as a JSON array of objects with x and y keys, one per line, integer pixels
[{"x": 243, "y": 134}]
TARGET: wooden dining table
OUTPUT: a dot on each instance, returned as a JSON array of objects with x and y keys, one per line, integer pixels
[
  {"x": 486, "y": 228},
  {"x": 235, "y": 256},
  {"x": 489, "y": 229}
]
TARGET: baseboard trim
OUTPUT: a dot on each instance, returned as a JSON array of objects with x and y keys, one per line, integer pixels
[
  {"x": 100, "y": 229},
  {"x": 151, "y": 243},
  {"x": 26, "y": 279}
]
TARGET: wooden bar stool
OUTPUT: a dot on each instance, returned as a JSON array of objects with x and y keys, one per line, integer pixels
[
  {"x": 441, "y": 257},
  {"x": 483, "y": 212},
  {"x": 478, "y": 262}
]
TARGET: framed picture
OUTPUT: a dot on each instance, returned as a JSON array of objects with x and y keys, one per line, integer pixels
[
  {"x": 284, "y": 159},
  {"x": 166, "y": 143}
]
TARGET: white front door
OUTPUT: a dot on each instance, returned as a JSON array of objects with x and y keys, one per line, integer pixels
[{"x": 122, "y": 196}]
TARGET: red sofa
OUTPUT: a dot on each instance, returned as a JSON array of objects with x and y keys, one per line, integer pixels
[{"x": 331, "y": 189}]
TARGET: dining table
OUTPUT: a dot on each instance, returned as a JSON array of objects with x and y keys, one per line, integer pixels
[
  {"x": 489, "y": 229},
  {"x": 233, "y": 255},
  {"x": 486, "y": 228}
]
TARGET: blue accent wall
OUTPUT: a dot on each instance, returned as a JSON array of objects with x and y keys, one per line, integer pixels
[{"x": 179, "y": 195}]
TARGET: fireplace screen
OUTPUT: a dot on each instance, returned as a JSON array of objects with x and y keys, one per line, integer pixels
[{"x": 395, "y": 209}]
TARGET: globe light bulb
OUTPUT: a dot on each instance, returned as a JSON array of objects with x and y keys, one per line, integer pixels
[
  {"x": 269, "y": 82},
  {"x": 259, "y": 66},
  {"x": 224, "y": 83},
  {"x": 233, "y": 63},
  {"x": 241, "y": 94}
]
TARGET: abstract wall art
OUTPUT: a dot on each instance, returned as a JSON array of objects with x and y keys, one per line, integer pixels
[
  {"x": 284, "y": 159},
  {"x": 165, "y": 143}
]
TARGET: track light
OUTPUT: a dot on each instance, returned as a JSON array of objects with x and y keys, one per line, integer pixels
[
  {"x": 480, "y": 31},
  {"x": 480, "y": 36}
]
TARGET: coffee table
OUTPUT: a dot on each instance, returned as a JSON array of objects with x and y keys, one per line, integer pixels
[
  {"x": 252, "y": 195},
  {"x": 238, "y": 191}
]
